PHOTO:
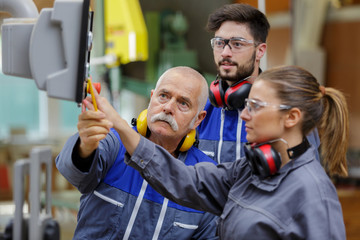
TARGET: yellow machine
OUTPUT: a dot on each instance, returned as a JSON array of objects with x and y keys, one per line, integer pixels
[{"x": 126, "y": 36}]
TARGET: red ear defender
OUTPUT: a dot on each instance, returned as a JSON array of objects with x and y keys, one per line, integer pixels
[
  {"x": 235, "y": 95},
  {"x": 266, "y": 161},
  {"x": 263, "y": 159},
  {"x": 231, "y": 97},
  {"x": 216, "y": 94}
]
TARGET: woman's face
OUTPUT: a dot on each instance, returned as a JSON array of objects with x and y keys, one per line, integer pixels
[{"x": 263, "y": 115}]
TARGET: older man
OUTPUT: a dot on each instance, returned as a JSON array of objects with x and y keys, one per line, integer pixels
[{"x": 116, "y": 202}]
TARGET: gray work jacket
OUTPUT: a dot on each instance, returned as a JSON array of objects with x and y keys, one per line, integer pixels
[{"x": 299, "y": 202}]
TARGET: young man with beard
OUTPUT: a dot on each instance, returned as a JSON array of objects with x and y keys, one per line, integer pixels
[
  {"x": 239, "y": 42},
  {"x": 116, "y": 202}
]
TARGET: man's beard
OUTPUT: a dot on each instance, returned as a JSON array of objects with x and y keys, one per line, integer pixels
[{"x": 242, "y": 72}]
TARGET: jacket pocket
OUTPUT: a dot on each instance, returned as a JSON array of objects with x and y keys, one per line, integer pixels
[
  {"x": 107, "y": 199},
  {"x": 99, "y": 216},
  {"x": 185, "y": 226}
]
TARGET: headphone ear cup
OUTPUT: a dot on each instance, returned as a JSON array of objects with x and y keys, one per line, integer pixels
[
  {"x": 250, "y": 156},
  {"x": 263, "y": 159},
  {"x": 141, "y": 123},
  {"x": 235, "y": 95},
  {"x": 185, "y": 144},
  {"x": 216, "y": 94},
  {"x": 188, "y": 141},
  {"x": 267, "y": 160}
]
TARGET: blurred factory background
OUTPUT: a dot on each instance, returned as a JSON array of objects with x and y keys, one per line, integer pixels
[{"x": 322, "y": 36}]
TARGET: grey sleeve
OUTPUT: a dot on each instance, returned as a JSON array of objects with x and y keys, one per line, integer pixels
[
  {"x": 204, "y": 186},
  {"x": 103, "y": 158}
]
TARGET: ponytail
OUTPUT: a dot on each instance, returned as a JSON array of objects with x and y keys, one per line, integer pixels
[{"x": 334, "y": 131}]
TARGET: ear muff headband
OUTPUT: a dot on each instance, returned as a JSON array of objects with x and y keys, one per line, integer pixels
[{"x": 185, "y": 144}]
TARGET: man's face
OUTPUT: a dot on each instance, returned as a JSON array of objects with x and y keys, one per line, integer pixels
[
  {"x": 241, "y": 64},
  {"x": 173, "y": 107}
]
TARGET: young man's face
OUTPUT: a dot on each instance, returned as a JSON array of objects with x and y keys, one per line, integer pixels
[{"x": 235, "y": 65}]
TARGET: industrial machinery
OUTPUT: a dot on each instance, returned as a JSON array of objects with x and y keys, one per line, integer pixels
[
  {"x": 125, "y": 31},
  {"x": 53, "y": 48},
  {"x": 167, "y": 48},
  {"x": 39, "y": 225}
]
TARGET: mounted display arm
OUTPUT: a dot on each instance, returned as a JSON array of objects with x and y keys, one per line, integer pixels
[
  {"x": 19, "y": 8},
  {"x": 53, "y": 49}
]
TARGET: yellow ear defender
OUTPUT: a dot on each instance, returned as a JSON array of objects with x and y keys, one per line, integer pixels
[
  {"x": 141, "y": 125},
  {"x": 187, "y": 142}
]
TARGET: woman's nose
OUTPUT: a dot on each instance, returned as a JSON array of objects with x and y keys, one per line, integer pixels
[{"x": 245, "y": 115}]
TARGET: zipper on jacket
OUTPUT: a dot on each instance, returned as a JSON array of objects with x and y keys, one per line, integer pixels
[
  {"x": 238, "y": 136},
  {"x": 107, "y": 199},
  {"x": 221, "y": 135},
  {"x": 161, "y": 219},
  {"x": 186, "y": 226},
  {"x": 135, "y": 210}
]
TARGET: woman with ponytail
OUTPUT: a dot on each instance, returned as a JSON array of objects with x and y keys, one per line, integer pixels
[{"x": 321, "y": 107}]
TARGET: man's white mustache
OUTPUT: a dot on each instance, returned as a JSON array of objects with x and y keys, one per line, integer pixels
[{"x": 167, "y": 118}]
